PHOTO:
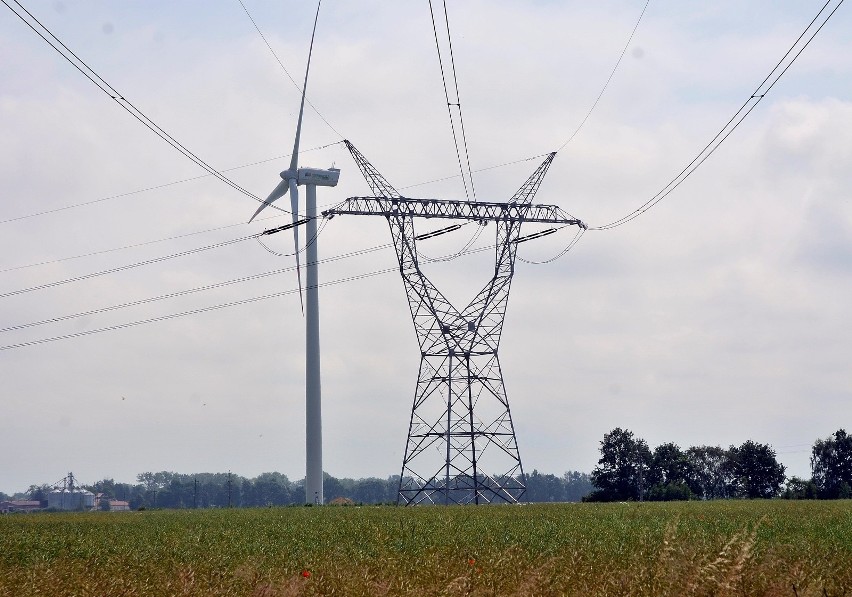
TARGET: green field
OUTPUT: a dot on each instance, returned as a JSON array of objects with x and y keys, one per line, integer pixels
[{"x": 687, "y": 548}]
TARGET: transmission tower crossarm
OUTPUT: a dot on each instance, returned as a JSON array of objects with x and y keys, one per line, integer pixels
[{"x": 452, "y": 209}]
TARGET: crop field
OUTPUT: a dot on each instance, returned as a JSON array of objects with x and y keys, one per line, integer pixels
[{"x": 689, "y": 548}]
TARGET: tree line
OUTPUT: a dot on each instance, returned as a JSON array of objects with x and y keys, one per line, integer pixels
[
  {"x": 629, "y": 470},
  {"x": 222, "y": 490}
]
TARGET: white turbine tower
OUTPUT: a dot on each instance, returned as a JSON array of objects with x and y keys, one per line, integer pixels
[{"x": 290, "y": 180}]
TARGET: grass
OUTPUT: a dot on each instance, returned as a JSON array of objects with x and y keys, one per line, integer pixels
[{"x": 692, "y": 548}]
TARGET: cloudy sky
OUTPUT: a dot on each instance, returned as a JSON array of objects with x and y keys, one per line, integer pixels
[{"x": 719, "y": 316}]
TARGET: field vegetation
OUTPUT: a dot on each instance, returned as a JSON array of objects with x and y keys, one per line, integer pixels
[{"x": 718, "y": 548}]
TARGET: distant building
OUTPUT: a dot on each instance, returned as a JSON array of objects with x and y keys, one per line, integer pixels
[
  {"x": 71, "y": 499},
  {"x": 9, "y": 506},
  {"x": 105, "y": 503},
  {"x": 119, "y": 506}
]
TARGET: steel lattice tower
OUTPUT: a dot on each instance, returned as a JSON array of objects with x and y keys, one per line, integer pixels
[{"x": 461, "y": 445}]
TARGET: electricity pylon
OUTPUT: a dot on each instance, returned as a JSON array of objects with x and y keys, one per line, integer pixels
[{"x": 461, "y": 445}]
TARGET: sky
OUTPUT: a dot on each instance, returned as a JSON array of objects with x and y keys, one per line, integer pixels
[{"x": 719, "y": 316}]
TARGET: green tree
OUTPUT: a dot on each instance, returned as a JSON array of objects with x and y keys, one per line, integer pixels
[
  {"x": 544, "y": 488},
  {"x": 38, "y": 493},
  {"x": 755, "y": 471},
  {"x": 671, "y": 474},
  {"x": 800, "y": 489},
  {"x": 577, "y": 485},
  {"x": 711, "y": 475},
  {"x": 831, "y": 465},
  {"x": 622, "y": 471}
]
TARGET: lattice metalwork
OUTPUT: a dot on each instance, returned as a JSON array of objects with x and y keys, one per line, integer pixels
[{"x": 461, "y": 445}]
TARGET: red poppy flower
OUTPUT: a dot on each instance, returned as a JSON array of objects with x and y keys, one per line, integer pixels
[
  {"x": 306, "y": 573},
  {"x": 471, "y": 562}
]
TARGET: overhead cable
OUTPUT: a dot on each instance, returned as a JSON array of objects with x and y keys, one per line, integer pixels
[
  {"x": 133, "y": 246},
  {"x": 54, "y": 42},
  {"x": 159, "y": 186},
  {"x": 611, "y": 74},
  {"x": 125, "y": 267},
  {"x": 286, "y": 72},
  {"x": 193, "y": 311},
  {"x": 450, "y": 104},
  {"x": 188, "y": 291},
  {"x": 204, "y": 309},
  {"x": 753, "y": 100}
]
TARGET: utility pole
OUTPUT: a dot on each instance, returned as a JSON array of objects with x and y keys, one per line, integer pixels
[{"x": 229, "y": 489}]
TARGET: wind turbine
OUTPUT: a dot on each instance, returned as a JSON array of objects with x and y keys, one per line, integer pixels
[{"x": 311, "y": 178}]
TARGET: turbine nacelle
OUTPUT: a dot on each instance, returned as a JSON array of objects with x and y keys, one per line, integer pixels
[
  {"x": 318, "y": 177},
  {"x": 314, "y": 176}
]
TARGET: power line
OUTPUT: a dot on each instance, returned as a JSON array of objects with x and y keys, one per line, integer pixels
[
  {"x": 133, "y": 246},
  {"x": 611, "y": 74},
  {"x": 193, "y": 311},
  {"x": 168, "y": 238},
  {"x": 156, "y": 187},
  {"x": 188, "y": 291},
  {"x": 458, "y": 100},
  {"x": 286, "y": 72},
  {"x": 202, "y": 309},
  {"x": 125, "y": 267},
  {"x": 451, "y": 104},
  {"x": 45, "y": 34},
  {"x": 754, "y": 99}
]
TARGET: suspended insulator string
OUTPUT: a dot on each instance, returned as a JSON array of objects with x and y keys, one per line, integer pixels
[
  {"x": 464, "y": 250},
  {"x": 577, "y": 236},
  {"x": 753, "y": 100},
  {"x": 309, "y": 242}
]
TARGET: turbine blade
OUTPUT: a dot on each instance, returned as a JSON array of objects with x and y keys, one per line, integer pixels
[
  {"x": 294, "y": 206},
  {"x": 276, "y": 193},
  {"x": 294, "y": 158}
]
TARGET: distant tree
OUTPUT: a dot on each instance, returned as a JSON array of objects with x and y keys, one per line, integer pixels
[
  {"x": 671, "y": 474},
  {"x": 38, "y": 493},
  {"x": 831, "y": 465},
  {"x": 105, "y": 486},
  {"x": 800, "y": 489},
  {"x": 392, "y": 488},
  {"x": 622, "y": 471},
  {"x": 710, "y": 473},
  {"x": 370, "y": 491},
  {"x": 266, "y": 489},
  {"x": 755, "y": 471},
  {"x": 577, "y": 485},
  {"x": 544, "y": 488},
  {"x": 670, "y": 492}
]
